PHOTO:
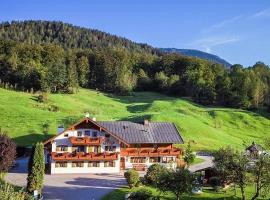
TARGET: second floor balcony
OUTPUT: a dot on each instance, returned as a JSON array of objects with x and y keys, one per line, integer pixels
[{"x": 151, "y": 152}]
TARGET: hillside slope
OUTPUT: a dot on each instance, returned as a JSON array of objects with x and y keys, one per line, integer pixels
[
  {"x": 67, "y": 36},
  {"x": 210, "y": 128},
  {"x": 198, "y": 54}
]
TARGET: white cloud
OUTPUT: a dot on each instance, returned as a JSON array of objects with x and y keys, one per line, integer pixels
[
  {"x": 223, "y": 23},
  {"x": 207, "y": 44},
  {"x": 261, "y": 14}
]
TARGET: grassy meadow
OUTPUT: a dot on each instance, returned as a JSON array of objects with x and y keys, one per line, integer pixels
[
  {"x": 208, "y": 194},
  {"x": 26, "y": 120}
]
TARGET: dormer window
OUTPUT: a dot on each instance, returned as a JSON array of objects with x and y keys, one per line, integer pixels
[
  {"x": 79, "y": 133},
  {"x": 87, "y": 133},
  {"x": 95, "y": 134}
]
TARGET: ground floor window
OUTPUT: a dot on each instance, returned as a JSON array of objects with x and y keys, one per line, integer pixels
[
  {"x": 77, "y": 164},
  {"x": 154, "y": 159},
  {"x": 93, "y": 164},
  {"x": 109, "y": 164},
  {"x": 167, "y": 159},
  {"x": 137, "y": 159},
  {"x": 60, "y": 164}
]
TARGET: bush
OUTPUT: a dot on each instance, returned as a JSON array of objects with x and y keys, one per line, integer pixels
[
  {"x": 7, "y": 152},
  {"x": 43, "y": 97},
  {"x": 153, "y": 173},
  {"x": 8, "y": 192},
  {"x": 142, "y": 194},
  {"x": 36, "y": 169},
  {"x": 215, "y": 182},
  {"x": 132, "y": 177}
]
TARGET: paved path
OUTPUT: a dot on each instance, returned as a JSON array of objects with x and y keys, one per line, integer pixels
[
  {"x": 208, "y": 162},
  {"x": 70, "y": 186}
]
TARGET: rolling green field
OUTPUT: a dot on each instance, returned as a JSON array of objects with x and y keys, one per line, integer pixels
[
  {"x": 25, "y": 119},
  {"x": 208, "y": 194}
]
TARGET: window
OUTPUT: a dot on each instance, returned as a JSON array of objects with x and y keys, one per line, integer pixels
[
  {"x": 137, "y": 159},
  {"x": 77, "y": 164},
  {"x": 154, "y": 159},
  {"x": 91, "y": 149},
  {"x": 109, "y": 164},
  {"x": 87, "y": 133},
  {"x": 62, "y": 148},
  {"x": 79, "y": 133},
  {"x": 94, "y": 133},
  {"x": 167, "y": 159},
  {"x": 93, "y": 164},
  {"x": 60, "y": 164},
  {"x": 110, "y": 148},
  {"x": 107, "y": 135},
  {"x": 66, "y": 135}
]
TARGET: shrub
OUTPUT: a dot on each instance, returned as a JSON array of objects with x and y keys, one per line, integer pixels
[
  {"x": 8, "y": 192},
  {"x": 43, "y": 97},
  {"x": 7, "y": 152},
  {"x": 215, "y": 182},
  {"x": 142, "y": 194},
  {"x": 132, "y": 177},
  {"x": 153, "y": 173},
  {"x": 36, "y": 169}
]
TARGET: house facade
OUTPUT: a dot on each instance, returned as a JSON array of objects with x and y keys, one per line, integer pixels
[{"x": 90, "y": 146}]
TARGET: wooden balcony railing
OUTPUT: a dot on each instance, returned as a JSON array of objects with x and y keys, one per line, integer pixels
[
  {"x": 150, "y": 152},
  {"x": 86, "y": 140},
  {"x": 81, "y": 156}
]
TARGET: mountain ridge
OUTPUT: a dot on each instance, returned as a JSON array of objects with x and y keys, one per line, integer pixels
[{"x": 198, "y": 54}]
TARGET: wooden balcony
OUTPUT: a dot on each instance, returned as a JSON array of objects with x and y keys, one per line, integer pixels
[
  {"x": 81, "y": 156},
  {"x": 150, "y": 152},
  {"x": 86, "y": 141}
]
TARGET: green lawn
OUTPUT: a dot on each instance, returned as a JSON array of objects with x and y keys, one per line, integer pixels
[
  {"x": 207, "y": 194},
  {"x": 208, "y": 128},
  {"x": 197, "y": 161}
]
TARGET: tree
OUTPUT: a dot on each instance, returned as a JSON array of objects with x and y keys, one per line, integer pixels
[
  {"x": 189, "y": 156},
  {"x": 132, "y": 177},
  {"x": 177, "y": 182},
  {"x": 36, "y": 169},
  {"x": 232, "y": 166},
  {"x": 153, "y": 174},
  {"x": 7, "y": 152},
  {"x": 261, "y": 175}
]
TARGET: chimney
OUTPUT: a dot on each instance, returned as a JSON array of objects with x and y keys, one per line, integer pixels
[
  {"x": 87, "y": 115},
  {"x": 60, "y": 129},
  {"x": 146, "y": 122},
  {"x": 94, "y": 119}
]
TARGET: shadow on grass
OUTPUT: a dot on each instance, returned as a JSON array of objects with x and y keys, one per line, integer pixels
[{"x": 30, "y": 138}]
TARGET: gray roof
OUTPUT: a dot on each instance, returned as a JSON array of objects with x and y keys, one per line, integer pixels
[{"x": 154, "y": 132}]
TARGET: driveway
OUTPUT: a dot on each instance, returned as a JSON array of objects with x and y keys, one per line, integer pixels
[
  {"x": 208, "y": 162},
  {"x": 70, "y": 186}
]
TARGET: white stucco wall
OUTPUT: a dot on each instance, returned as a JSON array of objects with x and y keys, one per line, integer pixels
[{"x": 85, "y": 168}]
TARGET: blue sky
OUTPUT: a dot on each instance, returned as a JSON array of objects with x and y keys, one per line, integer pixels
[{"x": 238, "y": 31}]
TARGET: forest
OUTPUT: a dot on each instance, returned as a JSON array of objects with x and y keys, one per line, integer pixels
[{"x": 59, "y": 58}]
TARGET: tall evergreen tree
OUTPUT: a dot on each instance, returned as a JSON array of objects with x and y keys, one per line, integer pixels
[{"x": 36, "y": 169}]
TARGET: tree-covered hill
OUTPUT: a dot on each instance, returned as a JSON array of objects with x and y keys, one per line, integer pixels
[
  {"x": 59, "y": 58},
  {"x": 198, "y": 54},
  {"x": 28, "y": 120},
  {"x": 67, "y": 36}
]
